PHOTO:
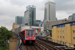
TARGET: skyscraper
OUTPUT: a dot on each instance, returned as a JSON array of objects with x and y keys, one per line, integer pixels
[
  {"x": 72, "y": 17},
  {"x": 37, "y": 22},
  {"x": 19, "y": 20},
  {"x": 30, "y": 15},
  {"x": 50, "y": 11}
]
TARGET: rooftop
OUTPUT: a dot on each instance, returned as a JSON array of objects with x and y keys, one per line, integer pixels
[
  {"x": 50, "y": 2},
  {"x": 64, "y": 23}
]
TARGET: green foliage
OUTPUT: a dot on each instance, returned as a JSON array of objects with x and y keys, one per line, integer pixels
[
  {"x": 2, "y": 48},
  {"x": 5, "y": 34},
  {"x": 47, "y": 30},
  {"x": 46, "y": 38}
]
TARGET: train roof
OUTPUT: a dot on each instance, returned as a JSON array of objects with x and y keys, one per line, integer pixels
[{"x": 27, "y": 29}]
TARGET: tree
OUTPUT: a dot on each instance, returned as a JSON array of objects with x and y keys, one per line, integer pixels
[
  {"x": 50, "y": 31},
  {"x": 5, "y": 34}
]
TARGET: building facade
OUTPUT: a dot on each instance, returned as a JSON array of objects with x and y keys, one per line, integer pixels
[
  {"x": 50, "y": 11},
  {"x": 55, "y": 22},
  {"x": 14, "y": 26},
  {"x": 64, "y": 33},
  {"x": 37, "y": 22},
  {"x": 48, "y": 24},
  {"x": 19, "y": 20},
  {"x": 72, "y": 17},
  {"x": 30, "y": 15}
]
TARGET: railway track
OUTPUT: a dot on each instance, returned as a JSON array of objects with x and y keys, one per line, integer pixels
[
  {"x": 48, "y": 45},
  {"x": 33, "y": 47},
  {"x": 53, "y": 45},
  {"x": 37, "y": 46},
  {"x": 40, "y": 45}
]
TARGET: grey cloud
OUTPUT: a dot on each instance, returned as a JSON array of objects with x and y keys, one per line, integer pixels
[
  {"x": 65, "y": 5},
  {"x": 23, "y": 2},
  {"x": 11, "y": 8},
  {"x": 6, "y": 21}
]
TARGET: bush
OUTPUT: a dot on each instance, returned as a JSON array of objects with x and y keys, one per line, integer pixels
[
  {"x": 5, "y": 35},
  {"x": 46, "y": 38}
]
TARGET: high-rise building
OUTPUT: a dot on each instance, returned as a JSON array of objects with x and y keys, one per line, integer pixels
[
  {"x": 72, "y": 17},
  {"x": 19, "y": 20},
  {"x": 37, "y": 22},
  {"x": 50, "y": 11},
  {"x": 30, "y": 15}
]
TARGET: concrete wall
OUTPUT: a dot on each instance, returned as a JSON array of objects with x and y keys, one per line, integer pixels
[{"x": 13, "y": 43}]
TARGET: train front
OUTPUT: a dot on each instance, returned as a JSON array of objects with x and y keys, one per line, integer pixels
[{"x": 30, "y": 36}]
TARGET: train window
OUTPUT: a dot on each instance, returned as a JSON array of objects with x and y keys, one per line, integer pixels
[
  {"x": 22, "y": 33},
  {"x": 27, "y": 33},
  {"x": 33, "y": 33},
  {"x": 30, "y": 33}
]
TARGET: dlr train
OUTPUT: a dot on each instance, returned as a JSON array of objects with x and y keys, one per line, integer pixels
[{"x": 28, "y": 36}]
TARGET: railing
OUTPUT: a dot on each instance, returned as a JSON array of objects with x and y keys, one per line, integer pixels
[{"x": 18, "y": 42}]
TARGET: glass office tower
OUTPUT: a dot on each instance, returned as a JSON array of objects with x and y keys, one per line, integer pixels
[
  {"x": 72, "y": 17},
  {"x": 37, "y": 22},
  {"x": 30, "y": 15},
  {"x": 19, "y": 20}
]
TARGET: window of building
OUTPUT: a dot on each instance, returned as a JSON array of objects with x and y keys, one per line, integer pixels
[
  {"x": 60, "y": 36},
  {"x": 63, "y": 36},
  {"x": 63, "y": 31},
  {"x": 73, "y": 38},
  {"x": 60, "y": 31},
  {"x": 73, "y": 31}
]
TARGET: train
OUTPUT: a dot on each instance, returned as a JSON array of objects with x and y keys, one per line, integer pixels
[{"x": 28, "y": 36}]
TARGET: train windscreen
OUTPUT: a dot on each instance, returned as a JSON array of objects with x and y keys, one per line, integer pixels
[{"x": 30, "y": 33}]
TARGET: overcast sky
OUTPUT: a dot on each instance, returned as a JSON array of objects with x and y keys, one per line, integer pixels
[{"x": 9, "y": 9}]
